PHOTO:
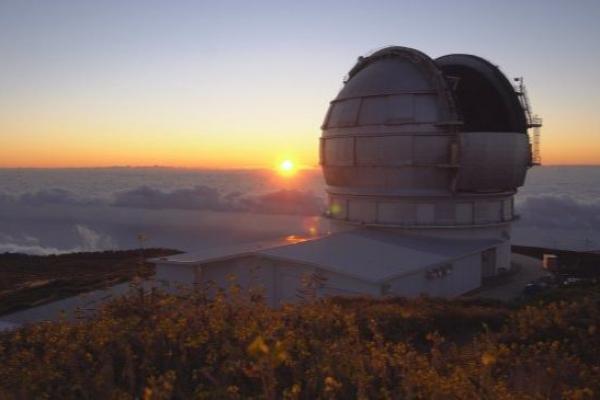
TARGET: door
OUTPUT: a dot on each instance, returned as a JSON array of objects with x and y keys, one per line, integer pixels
[{"x": 488, "y": 263}]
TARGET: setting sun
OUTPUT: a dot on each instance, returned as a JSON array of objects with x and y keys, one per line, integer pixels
[{"x": 287, "y": 168}]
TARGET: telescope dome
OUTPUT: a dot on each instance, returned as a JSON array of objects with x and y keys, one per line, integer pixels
[{"x": 412, "y": 142}]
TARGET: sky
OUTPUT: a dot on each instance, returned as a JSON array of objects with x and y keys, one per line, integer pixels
[{"x": 225, "y": 84}]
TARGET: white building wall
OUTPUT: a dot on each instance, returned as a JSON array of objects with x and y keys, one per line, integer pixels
[
  {"x": 288, "y": 282},
  {"x": 250, "y": 272},
  {"x": 342, "y": 285},
  {"x": 174, "y": 274},
  {"x": 281, "y": 281},
  {"x": 503, "y": 256},
  {"x": 498, "y": 232},
  {"x": 465, "y": 276}
]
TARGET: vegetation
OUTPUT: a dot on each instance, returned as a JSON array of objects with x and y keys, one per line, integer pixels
[
  {"x": 159, "y": 346},
  {"x": 27, "y": 280}
]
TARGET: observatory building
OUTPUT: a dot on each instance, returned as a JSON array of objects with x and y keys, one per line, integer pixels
[{"x": 421, "y": 159}]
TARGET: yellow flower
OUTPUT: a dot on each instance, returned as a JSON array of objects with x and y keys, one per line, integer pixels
[
  {"x": 233, "y": 390},
  {"x": 280, "y": 352},
  {"x": 488, "y": 358},
  {"x": 258, "y": 346},
  {"x": 331, "y": 385}
]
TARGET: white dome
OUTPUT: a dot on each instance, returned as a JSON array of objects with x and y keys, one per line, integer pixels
[{"x": 414, "y": 142}]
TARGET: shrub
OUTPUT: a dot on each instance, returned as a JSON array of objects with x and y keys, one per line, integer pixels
[{"x": 155, "y": 345}]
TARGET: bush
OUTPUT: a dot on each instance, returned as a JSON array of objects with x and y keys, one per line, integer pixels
[{"x": 160, "y": 346}]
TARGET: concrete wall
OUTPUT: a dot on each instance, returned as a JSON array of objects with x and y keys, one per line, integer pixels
[{"x": 465, "y": 276}]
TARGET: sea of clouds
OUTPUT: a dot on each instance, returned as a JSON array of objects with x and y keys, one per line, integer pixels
[
  {"x": 57, "y": 220},
  {"x": 557, "y": 208},
  {"x": 558, "y": 221},
  {"x": 282, "y": 201},
  {"x": 560, "y": 212}
]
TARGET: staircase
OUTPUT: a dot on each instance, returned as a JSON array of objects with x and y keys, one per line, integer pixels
[{"x": 534, "y": 122}]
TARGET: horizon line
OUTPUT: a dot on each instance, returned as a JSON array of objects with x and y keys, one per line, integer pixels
[{"x": 242, "y": 168}]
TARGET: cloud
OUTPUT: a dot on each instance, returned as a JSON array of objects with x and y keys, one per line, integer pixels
[
  {"x": 285, "y": 201},
  {"x": 293, "y": 202},
  {"x": 58, "y": 221},
  {"x": 562, "y": 211},
  {"x": 92, "y": 240},
  {"x": 89, "y": 240},
  {"x": 35, "y": 250},
  {"x": 54, "y": 196},
  {"x": 196, "y": 198}
]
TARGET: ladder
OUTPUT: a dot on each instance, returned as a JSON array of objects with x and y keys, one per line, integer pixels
[{"x": 534, "y": 122}]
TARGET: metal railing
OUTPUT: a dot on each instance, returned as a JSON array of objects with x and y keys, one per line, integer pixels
[{"x": 534, "y": 122}]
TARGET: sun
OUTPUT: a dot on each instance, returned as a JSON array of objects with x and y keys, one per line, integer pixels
[{"x": 287, "y": 168}]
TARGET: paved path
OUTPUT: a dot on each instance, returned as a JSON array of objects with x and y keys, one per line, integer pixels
[{"x": 531, "y": 269}]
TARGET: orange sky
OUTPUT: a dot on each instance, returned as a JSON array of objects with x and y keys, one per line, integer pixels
[
  {"x": 154, "y": 142},
  {"x": 65, "y": 147},
  {"x": 247, "y": 85}
]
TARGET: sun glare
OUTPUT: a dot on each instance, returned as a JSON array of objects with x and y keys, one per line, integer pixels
[{"x": 287, "y": 168}]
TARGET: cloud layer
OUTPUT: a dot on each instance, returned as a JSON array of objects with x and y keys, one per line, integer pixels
[
  {"x": 283, "y": 201},
  {"x": 88, "y": 240},
  {"x": 58, "y": 220},
  {"x": 562, "y": 211}
]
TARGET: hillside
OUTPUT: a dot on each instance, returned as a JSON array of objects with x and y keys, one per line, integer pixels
[{"x": 27, "y": 280}]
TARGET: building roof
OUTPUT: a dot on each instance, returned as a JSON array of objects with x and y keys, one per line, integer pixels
[
  {"x": 377, "y": 256},
  {"x": 220, "y": 253},
  {"x": 366, "y": 254}
]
